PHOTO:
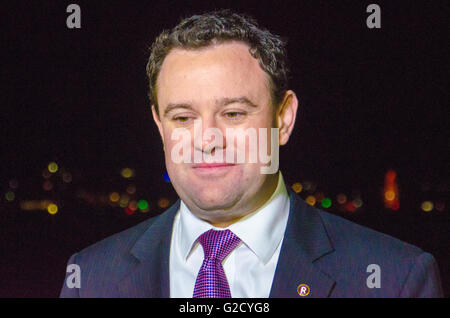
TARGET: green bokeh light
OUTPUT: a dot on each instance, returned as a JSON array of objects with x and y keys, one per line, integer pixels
[
  {"x": 326, "y": 203},
  {"x": 9, "y": 196},
  {"x": 142, "y": 204}
]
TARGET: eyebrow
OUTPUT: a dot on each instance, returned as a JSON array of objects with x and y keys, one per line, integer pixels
[
  {"x": 171, "y": 107},
  {"x": 240, "y": 100},
  {"x": 221, "y": 102}
]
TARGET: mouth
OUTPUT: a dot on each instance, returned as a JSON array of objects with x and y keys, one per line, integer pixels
[{"x": 212, "y": 168}]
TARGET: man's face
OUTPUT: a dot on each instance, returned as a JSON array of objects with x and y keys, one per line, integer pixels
[{"x": 224, "y": 87}]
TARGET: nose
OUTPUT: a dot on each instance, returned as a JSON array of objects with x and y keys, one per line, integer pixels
[{"x": 208, "y": 135}]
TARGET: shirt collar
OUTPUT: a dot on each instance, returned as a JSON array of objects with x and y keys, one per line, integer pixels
[{"x": 261, "y": 230}]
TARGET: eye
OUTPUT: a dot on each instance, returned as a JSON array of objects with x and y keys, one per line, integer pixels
[
  {"x": 234, "y": 115},
  {"x": 181, "y": 119}
]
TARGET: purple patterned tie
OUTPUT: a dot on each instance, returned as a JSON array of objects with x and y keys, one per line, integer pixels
[{"x": 211, "y": 280}]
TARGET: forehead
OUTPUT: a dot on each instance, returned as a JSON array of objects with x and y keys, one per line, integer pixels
[{"x": 218, "y": 71}]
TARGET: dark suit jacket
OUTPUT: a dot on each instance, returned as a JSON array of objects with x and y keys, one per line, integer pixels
[{"x": 326, "y": 252}]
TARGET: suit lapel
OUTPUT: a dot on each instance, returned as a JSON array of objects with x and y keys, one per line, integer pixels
[
  {"x": 305, "y": 241},
  {"x": 150, "y": 276}
]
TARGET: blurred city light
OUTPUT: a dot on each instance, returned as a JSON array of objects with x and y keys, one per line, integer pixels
[
  {"x": 47, "y": 185},
  {"x": 131, "y": 189},
  {"x": 31, "y": 205},
  {"x": 308, "y": 186},
  {"x": 297, "y": 187},
  {"x": 341, "y": 198},
  {"x": 427, "y": 206},
  {"x": 52, "y": 167},
  {"x": 52, "y": 208},
  {"x": 124, "y": 199},
  {"x": 133, "y": 205},
  {"x": 129, "y": 211},
  {"x": 391, "y": 192},
  {"x": 127, "y": 173},
  {"x": 311, "y": 200},
  {"x": 166, "y": 177},
  {"x": 163, "y": 203},
  {"x": 358, "y": 202},
  {"x": 127, "y": 201},
  {"x": 46, "y": 174},
  {"x": 389, "y": 195},
  {"x": 67, "y": 177},
  {"x": 9, "y": 196},
  {"x": 114, "y": 197},
  {"x": 350, "y": 206},
  {"x": 440, "y": 206},
  {"x": 326, "y": 203},
  {"x": 142, "y": 205},
  {"x": 319, "y": 196},
  {"x": 13, "y": 184}
]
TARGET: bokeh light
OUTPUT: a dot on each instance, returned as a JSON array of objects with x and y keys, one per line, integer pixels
[
  {"x": 13, "y": 184},
  {"x": 67, "y": 177},
  {"x": 124, "y": 199},
  {"x": 311, "y": 200},
  {"x": 142, "y": 205},
  {"x": 163, "y": 203},
  {"x": 47, "y": 185},
  {"x": 341, "y": 198},
  {"x": 127, "y": 173},
  {"x": 131, "y": 189},
  {"x": 114, "y": 197},
  {"x": 52, "y": 167},
  {"x": 133, "y": 205},
  {"x": 326, "y": 203},
  {"x": 319, "y": 196},
  {"x": 391, "y": 191},
  {"x": 9, "y": 196},
  {"x": 358, "y": 202},
  {"x": 395, "y": 205},
  {"x": 166, "y": 177},
  {"x": 52, "y": 208},
  {"x": 440, "y": 206},
  {"x": 129, "y": 211},
  {"x": 46, "y": 174},
  {"x": 390, "y": 176},
  {"x": 297, "y": 187},
  {"x": 307, "y": 186},
  {"x": 427, "y": 206},
  {"x": 350, "y": 206},
  {"x": 389, "y": 195}
]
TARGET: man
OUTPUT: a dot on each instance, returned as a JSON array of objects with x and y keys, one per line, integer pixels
[{"x": 236, "y": 230}]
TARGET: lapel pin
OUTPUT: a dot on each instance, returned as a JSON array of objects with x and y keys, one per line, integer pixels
[{"x": 303, "y": 290}]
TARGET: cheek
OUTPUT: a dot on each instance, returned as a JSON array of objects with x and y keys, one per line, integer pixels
[{"x": 166, "y": 136}]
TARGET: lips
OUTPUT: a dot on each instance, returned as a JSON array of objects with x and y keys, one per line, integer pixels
[{"x": 211, "y": 165}]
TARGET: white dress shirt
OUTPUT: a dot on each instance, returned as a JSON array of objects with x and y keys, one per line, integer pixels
[{"x": 250, "y": 267}]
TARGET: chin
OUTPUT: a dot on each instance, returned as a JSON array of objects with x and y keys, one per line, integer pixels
[{"x": 215, "y": 199}]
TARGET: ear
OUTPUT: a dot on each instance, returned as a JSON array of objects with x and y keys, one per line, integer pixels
[
  {"x": 157, "y": 121},
  {"x": 286, "y": 114}
]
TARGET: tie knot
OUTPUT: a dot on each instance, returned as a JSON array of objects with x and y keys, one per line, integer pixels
[{"x": 218, "y": 244}]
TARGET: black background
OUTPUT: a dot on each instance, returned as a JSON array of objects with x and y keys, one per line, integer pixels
[{"x": 370, "y": 100}]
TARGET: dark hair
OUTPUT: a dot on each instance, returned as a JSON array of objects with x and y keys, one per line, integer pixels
[{"x": 215, "y": 27}]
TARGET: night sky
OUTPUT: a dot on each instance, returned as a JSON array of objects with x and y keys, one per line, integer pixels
[{"x": 370, "y": 100}]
